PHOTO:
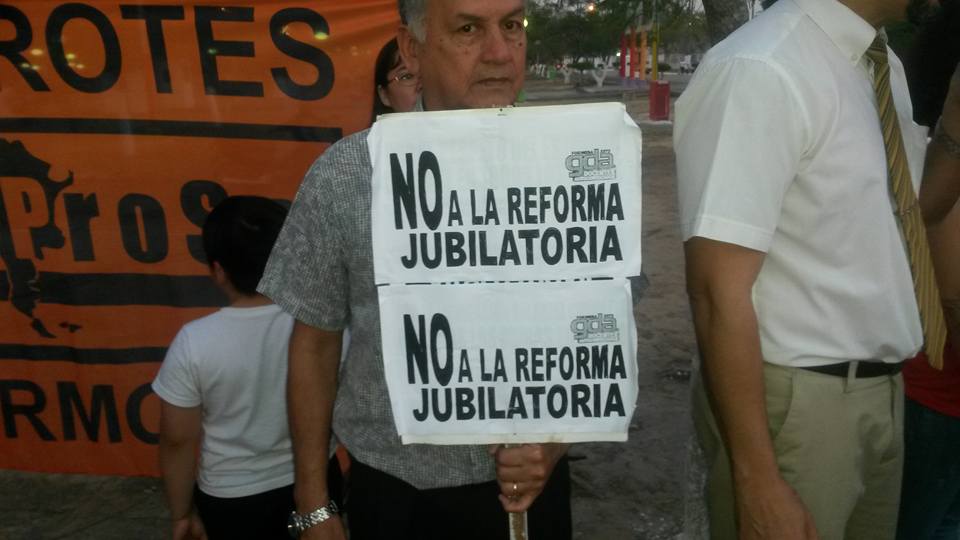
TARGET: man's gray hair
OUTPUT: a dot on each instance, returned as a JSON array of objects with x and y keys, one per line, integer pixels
[{"x": 413, "y": 13}]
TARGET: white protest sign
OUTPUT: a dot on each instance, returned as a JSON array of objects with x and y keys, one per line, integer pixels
[
  {"x": 521, "y": 193},
  {"x": 503, "y": 240},
  {"x": 514, "y": 364}
]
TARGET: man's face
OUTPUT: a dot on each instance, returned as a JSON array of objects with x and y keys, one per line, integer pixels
[{"x": 473, "y": 55}]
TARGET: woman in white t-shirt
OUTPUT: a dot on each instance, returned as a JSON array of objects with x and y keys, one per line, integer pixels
[{"x": 222, "y": 389}]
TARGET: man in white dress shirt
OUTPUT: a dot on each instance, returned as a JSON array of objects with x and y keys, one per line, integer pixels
[{"x": 798, "y": 274}]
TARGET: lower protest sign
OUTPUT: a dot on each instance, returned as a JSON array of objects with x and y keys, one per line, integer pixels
[{"x": 511, "y": 362}]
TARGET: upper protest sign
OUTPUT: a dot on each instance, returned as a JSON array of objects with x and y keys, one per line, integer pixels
[{"x": 533, "y": 193}]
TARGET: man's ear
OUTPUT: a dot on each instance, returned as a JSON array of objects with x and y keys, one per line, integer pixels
[
  {"x": 409, "y": 49},
  {"x": 218, "y": 274}
]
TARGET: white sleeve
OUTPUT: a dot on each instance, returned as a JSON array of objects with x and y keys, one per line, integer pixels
[
  {"x": 739, "y": 137},
  {"x": 177, "y": 382}
]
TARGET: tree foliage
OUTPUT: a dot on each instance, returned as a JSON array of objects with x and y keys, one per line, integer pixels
[
  {"x": 581, "y": 29},
  {"x": 683, "y": 30},
  {"x": 566, "y": 28}
]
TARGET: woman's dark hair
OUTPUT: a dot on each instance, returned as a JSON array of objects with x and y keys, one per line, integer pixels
[
  {"x": 388, "y": 59},
  {"x": 932, "y": 60},
  {"x": 239, "y": 234}
]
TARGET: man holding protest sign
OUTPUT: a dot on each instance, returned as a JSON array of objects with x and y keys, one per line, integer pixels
[{"x": 468, "y": 54}]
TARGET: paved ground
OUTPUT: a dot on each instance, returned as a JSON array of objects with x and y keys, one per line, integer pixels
[{"x": 628, "y": 491}]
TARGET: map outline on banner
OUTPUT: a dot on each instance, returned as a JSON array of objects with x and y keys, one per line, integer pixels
[{"x": 121, "y": 126}]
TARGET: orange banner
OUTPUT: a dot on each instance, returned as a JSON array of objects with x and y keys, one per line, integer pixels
[{"x": 121, "y": 125}]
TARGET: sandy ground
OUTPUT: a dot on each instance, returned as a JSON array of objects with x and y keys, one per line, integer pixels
[
  {"x": 630, "y": 491},
  {"x": 637, "y": 490}
]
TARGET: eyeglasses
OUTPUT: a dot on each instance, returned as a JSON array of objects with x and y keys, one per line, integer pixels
[{"x": 404, "y": 79}]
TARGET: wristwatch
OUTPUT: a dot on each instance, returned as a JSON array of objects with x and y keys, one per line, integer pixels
[{"x": 297, "y": 523}]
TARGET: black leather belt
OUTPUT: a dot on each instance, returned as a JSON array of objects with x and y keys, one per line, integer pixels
[{"x": 865, "y": 370}]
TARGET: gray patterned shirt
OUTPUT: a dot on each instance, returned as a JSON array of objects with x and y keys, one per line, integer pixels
[{"x": 321, "y": 272}]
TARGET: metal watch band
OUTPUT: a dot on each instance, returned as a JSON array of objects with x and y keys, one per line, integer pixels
[
  {"x": 319, "y": 515},
  {"x": 316, "y": 516},
  {"x": 950, "y": 144}
]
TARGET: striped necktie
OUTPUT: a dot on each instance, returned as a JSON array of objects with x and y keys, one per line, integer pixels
[{"x": 908, "y": 209}]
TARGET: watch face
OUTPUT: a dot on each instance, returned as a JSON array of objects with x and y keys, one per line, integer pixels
[{"x": 293, "y": 525}]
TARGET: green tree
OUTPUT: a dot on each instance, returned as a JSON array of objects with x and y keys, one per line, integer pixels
[
  {"x": 683, "y": 30},
  {"x": 582, "y": 29}
]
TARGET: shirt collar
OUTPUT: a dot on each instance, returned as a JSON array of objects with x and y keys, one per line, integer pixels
[{"x": 848, "y": 31}]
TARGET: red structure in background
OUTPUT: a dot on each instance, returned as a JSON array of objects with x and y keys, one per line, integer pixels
[{"x": 659, "y": 100}]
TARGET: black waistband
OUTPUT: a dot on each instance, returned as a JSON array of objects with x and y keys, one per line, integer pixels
[{"x": 865, "y": 370}]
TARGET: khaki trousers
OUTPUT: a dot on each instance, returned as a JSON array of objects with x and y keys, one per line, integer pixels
[{"x": 839, "y": 444}]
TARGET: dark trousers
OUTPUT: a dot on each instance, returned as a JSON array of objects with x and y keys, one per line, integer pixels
[
  {"x": 930, "y": 498},
  {"x": 256, "y": 517},
  {"x": 382, "y": 507}
]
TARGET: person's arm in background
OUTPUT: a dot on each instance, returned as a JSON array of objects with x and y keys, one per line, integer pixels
[
  {"x": 311, "y": 389},
  {"x": 945, "y": 250},
  {"x": 941, "y": 182},
  {"x": 720, "y": 277},
  {"x": 180, "y": 434}
]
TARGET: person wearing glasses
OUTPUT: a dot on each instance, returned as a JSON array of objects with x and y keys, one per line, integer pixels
[{"x": 395, "y": 88}]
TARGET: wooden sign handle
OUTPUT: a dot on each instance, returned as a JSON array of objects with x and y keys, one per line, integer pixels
[
  {"x": 518, "y": 525},
  {"x": 518, "y": 520}
]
